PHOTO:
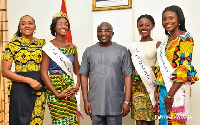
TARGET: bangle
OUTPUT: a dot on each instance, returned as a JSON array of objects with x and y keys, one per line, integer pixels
[
  {"x": 126, "y": 102},
  {"x": 170, "y": 97}
]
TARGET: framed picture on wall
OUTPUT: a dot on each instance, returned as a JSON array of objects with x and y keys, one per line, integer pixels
[{"x": 99, "y": 5}]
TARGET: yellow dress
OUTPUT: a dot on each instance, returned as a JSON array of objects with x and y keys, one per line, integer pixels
[{"x": 27, "y": 56}]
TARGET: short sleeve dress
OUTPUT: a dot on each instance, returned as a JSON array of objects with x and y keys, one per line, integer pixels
[{"x": 27, "y": 56}]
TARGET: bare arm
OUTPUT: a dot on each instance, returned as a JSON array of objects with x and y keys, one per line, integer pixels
[
  {"x": 84, "y": 87},
  {"x": 174, "y": 88},
  {"x": 128, "y": 86},
  {"x": 158, "y": 44},
  {"x": 76, "y": 69},
  {"x": 76, "y": 72},
  {"x": 169, "y": 101},
  {"x": 6, "y": 72}
]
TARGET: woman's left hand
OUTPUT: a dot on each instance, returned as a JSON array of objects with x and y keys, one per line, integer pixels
[
  {"x": 72, "y": 92},
  {"x": 168, "y": 104},
  {"x": 169, "y": 98}
]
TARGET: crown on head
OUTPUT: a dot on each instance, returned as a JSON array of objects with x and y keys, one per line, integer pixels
[{"x": 60, "y": 14}]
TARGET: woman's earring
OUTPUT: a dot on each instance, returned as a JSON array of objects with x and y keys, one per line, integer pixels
[{"x": 34, "y": 32}]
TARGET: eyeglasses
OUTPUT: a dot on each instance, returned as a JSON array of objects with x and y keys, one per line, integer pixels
[{"x": 105, "y": 30}]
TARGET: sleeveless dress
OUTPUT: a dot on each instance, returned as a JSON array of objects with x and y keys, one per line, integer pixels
[
  {"x": 27, "y": 106},
  {"x": 141, "y": 106},
  {"x": 63, "y": 112}
]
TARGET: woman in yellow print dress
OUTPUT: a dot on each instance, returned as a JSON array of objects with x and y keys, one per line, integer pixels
[
  {"x": 175, "y": 73},
  {"x": 59, "y": 62},
  {"x": 27, "y": 96}
]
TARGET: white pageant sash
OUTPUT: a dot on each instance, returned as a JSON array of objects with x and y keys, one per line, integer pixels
[
  {"x": 144, "y": 69},
  {"x": 58, "y": 57},
  {"x": 182, "y": 96},
  {"x": 66, "y": 65}
]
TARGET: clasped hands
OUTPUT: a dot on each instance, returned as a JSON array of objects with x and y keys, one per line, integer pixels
[{"x": 67, "y": 94}]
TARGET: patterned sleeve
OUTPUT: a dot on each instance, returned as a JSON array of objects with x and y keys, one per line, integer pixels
[
  {"x": 9, "y": 52},
  {"x": 185, "y": 72},
  {"x": 75, "y": 49}
]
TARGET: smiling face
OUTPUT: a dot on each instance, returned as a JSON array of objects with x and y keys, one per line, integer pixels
[
  {"x": 170, "y": 21},
  {"x": 144, "y": 27},
  {"x": 27, "y": 27},
  {"x": 104, "y": 34},
  {"x": 62, "y": 27}
]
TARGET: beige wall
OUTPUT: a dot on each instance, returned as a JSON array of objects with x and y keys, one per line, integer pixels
[{"x": 84, "y": 21}]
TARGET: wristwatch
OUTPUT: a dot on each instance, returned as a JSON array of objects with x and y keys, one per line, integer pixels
[
  {"x": 170, "y": 97},
  {"x": 126, "y": 102}
]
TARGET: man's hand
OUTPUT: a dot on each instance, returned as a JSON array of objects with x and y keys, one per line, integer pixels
[
  {"x": 87, "y": 108},
  {"x": 125, "y": 109}
]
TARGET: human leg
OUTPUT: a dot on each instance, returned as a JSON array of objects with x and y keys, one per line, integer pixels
[
  {"x": 150, "y": 122},
  {"x": 98, "y": 120},
  {"x": 114, "y": 120},
  {"x": 141, "y": 122}
]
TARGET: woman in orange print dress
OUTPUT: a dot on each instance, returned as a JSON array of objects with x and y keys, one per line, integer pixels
[{"x": 175, "y": 73}]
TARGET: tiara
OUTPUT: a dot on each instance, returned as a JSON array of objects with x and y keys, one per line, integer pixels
[{"x": 60, "y": 14}]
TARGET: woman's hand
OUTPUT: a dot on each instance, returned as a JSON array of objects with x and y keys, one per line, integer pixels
[
  {"x": 72, "y": 91},
  {"x": 168, "y": 103},
  {"x": 169, "y": 98},
  {"x": 34, "y": 83},
  {"x": 63, "y": 95}
]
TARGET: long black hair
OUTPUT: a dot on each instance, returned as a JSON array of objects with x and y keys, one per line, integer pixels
[{"x": 180, "y": 15}]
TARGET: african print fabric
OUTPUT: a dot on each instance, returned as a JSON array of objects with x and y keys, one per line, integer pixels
[
  {"x": 25, "y": 53},
  {"x": 39, "y": 109},
  {"x": 179, "y": 54},
  {"x": 63, "y": 112},
  {"x": 27, "y": 56},
  {"x": 141, "y": 106}
]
